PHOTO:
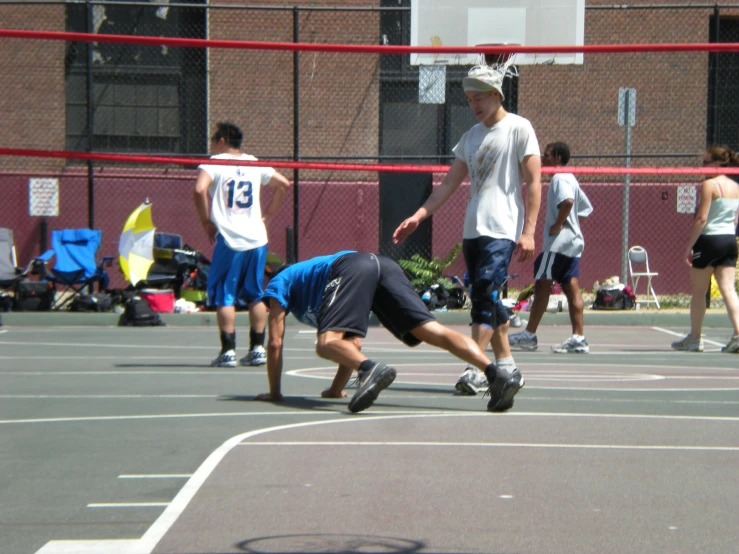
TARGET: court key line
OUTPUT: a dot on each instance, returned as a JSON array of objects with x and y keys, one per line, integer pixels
[{"x": 496, "y": 445}]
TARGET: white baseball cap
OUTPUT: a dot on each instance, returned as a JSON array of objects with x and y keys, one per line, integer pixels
[{"x": 483, "y": 79}]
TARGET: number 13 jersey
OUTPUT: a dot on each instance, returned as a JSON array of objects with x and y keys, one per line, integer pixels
[{"x": 235, "y": 208}]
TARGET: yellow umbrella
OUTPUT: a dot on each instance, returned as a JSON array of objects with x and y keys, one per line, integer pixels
[{"x": 136, "y": 246}]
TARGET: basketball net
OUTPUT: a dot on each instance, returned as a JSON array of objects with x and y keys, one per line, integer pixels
[{"x": 502, "y": 62}]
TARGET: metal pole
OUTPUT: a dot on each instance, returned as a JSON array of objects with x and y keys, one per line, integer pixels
[
  {"x": 714, "y": 70},
  {"x": 90, "y": 126},
  {"x": 627, "y": 183},
  {"x": 296, "y": 133}
]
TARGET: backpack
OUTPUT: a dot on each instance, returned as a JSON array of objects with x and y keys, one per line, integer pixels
[
  {"x": 138, "y": 313},
  {"x": 435, "y": 297},
  {"x": 613, "y": 299},
  {"x": 457, "y": 299},
  {"x": 95, "y": 302}
]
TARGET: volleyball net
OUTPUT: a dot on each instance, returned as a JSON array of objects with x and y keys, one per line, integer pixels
[{"x": 113, "y": 103}]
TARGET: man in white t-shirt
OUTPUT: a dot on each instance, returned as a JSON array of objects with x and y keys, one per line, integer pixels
[
  {"x": 227, "y": 201},
  {"x": 567, "y": 204},
  {"x": 498, "y": 154}
]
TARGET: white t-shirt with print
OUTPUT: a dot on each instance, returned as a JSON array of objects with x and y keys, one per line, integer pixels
[
  {"x": 493, "y": 156},
  {"x": 235, "y": 209},
  {"x": 569, "y": 241}
]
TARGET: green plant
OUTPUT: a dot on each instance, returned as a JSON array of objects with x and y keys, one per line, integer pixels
[{"x": 425, "y": 273}]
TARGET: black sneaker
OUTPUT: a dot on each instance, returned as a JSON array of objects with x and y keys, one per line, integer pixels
[
  {"x": 371, "y": 383},
  {"x": 502, "y": 389}
]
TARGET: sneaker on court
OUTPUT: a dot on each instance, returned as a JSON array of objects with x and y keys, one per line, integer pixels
[
  {"x": 688, "y": 345},
  {"x": 733, "y": 346},
  {"x": 471, "y": 381},
  {"x": 523, "y": 340},
  {"x": 503, "y": 388},
  {"x": 225, "y": 359},
  {"x": 572, "y": 346},
  {"x": 257, "y": 356},
  {"x": 371, "y": 383}
]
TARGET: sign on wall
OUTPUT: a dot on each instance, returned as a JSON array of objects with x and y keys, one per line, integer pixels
[
  {"x": 687, "y": 197},
  {"x": 43, "y": 197}
]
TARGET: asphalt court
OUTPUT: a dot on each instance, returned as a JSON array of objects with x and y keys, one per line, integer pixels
[{"x": 120, "y": 440}]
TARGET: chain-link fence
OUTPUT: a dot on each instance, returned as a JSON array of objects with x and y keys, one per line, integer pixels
[{"x": 70, "y": 95}]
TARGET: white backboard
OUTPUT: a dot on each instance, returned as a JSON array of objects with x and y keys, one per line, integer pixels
[{"x": 475, "y": 22}]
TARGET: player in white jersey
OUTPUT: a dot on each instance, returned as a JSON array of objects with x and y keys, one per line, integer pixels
[
  {"x": 227, "y": 201},
  {"x": 499, "y": 154},
  {"x": 560, "y": 259}
]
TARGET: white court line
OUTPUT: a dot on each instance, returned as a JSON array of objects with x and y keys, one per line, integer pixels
[
  {"x": 156, "y": 476},
  {"x": 128, "y": 346},
  {"x": 395, "y": 396},
  {"x": 104, "y": 396},
  {"x": 134, "y": 372},
  {"x": 675, "y": 334},
  {"x": 128, "y": 505},
  {"x": 165, "y": 416},
  {"x": 328, "y": 412},
  {"x": 499, "y": 445},
  {"x": 118, "y": 358},
  {"x": 171, "y": 513}
]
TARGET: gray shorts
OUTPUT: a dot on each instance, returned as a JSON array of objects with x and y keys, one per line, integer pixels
[{"x": 360, "y": 283}]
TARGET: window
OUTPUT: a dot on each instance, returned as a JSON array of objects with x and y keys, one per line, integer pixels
[
  {"x": 144, "y": 98},
  {"x": 723, "y": 85}
]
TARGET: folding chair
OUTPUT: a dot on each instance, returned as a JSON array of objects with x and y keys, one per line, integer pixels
[
  {"x": 638, "y": 268},
  {"x": 75, "y": 267},
  {"x": 10, "y": 273}
]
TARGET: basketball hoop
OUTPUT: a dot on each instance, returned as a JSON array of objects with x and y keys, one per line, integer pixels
[{"x": 500, "y": 61}]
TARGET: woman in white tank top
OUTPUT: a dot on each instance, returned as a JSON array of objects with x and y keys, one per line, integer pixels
[{"x": 712, "y": 248}]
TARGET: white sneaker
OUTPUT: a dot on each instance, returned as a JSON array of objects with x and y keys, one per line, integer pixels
[
  {"x": 225, "y": 359},
  {"x": 471, "y": 380},
  {"x": 523, "y": 340},
  {"x": 257, "y": 356},
  {"x": 688, "y": 345},
  {"x": 731, "y": 348},
  {"x": 572, "y": 345}
]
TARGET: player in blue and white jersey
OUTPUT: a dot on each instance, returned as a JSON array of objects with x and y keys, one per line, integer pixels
[
  {"x": 335, "y": 294},
  {"x": 227, "y": 202}
]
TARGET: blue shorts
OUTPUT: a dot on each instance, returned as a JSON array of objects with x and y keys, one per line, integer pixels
[
  {"x": 487, "y": 259},
  {"x": 235, "y": 274},
  {"x": 552, "y": 266},
  {"x": 487, "y": 262}
]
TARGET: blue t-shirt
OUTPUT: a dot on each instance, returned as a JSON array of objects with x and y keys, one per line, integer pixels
[{"x": 299, "y": 288}]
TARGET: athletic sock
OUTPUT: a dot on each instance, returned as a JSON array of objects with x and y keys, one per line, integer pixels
[
  {"x": 366, "y": 365},
  {"x": 228, "y": 341},
  {"x": 506, "y": 365},
  {"x": 491, "y": 369},
  {"x": 255, "y": 339}
]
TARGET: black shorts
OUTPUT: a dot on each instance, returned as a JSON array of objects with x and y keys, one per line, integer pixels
[
  {"x": 397, "y": 305},
  {"x": 714, "y": 251},
  {"x": 359, "y": 283}
]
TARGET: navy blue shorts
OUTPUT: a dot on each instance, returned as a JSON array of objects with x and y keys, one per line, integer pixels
[
  {"x": 487, "y": 259},
  {"x": 552, "y": 266},
  {"x": 487, "y": 262}
]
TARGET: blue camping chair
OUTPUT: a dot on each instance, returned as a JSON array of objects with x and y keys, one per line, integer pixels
[{"x": 76, "y": 267}]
